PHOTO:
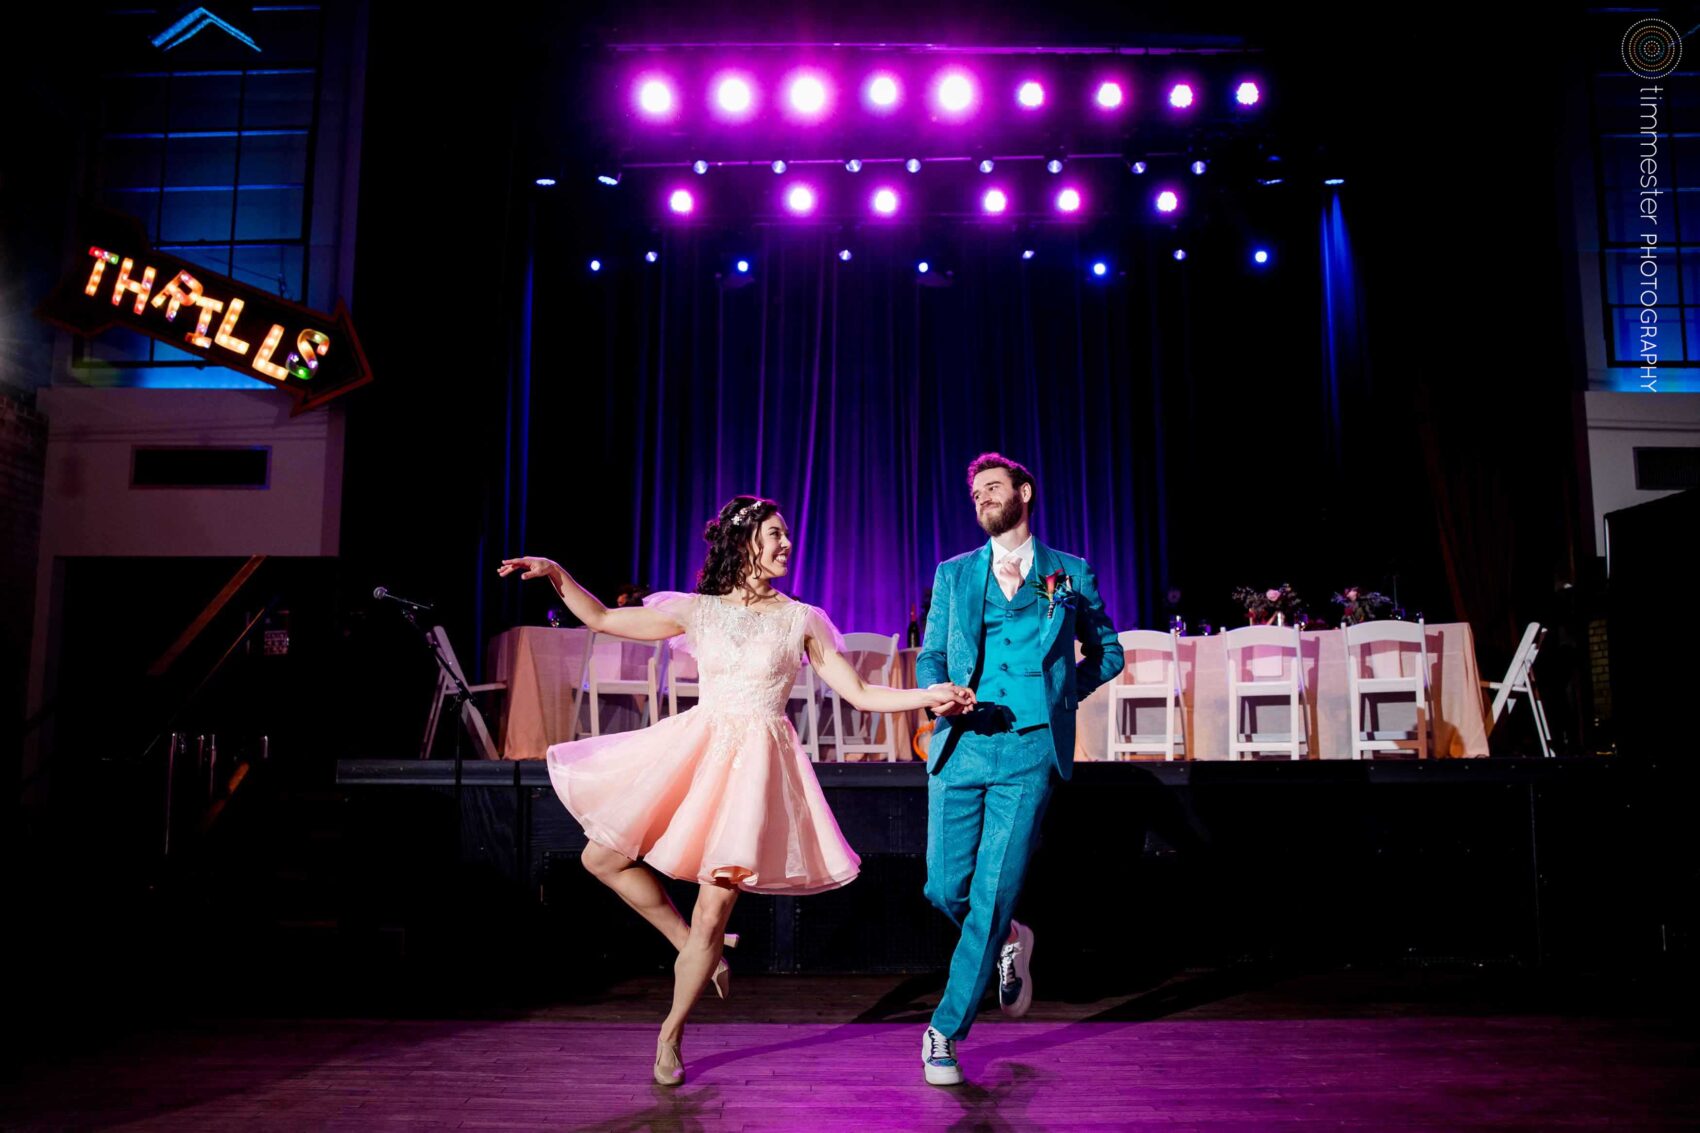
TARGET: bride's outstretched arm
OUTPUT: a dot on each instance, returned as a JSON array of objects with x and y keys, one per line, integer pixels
[
  {"x": 640, "y": 623},
  {"x": 842, "y": 678}
]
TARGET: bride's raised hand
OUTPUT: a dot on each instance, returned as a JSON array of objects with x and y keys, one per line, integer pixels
[{"x": 532, "y": 566}]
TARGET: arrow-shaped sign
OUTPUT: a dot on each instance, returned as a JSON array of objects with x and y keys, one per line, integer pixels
[{"x": 121, "y": 280}]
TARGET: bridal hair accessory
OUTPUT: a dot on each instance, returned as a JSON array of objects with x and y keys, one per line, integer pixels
[{"x": 744, "y": 513}]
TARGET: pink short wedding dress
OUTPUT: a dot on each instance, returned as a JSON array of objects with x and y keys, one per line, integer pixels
[{"x": 722, "y": 790}]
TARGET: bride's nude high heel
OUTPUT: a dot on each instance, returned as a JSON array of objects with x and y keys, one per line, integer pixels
[
  {"x": 722, "y": 977},
  {"x": 669, "y": 1064}
]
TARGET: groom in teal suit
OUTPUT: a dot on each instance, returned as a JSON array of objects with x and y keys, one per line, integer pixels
[{"x": 1003, "y": 623}]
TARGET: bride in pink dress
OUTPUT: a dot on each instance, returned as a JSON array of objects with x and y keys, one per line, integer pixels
[{"x": 721, "y": 794}]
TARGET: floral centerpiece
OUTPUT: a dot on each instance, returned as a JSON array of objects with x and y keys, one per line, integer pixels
[
  {"x": 1359, "y": 605},
  {"x": 1278, "y": 605}
]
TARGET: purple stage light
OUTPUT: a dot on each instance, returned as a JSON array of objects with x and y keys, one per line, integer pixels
[
  {"x": 854, "y": 165},
  {"x": 743, "y": 267},
  {"x": 1027, "y": 253},
  {"x": 1068, "y": 200},
  {"x": 994, "y": 201},
  {"x": 546, "y": 182},
  {"x": 885, "y": 201},
  {"x": 1261, "y": 256},
  {"x": 1180, "y": 96},
  {"x": 1030, "y": 95},
  {"x": 807, "y": 95},
  {"x": 734, "y": 96},
  {"x": 655, "y": 97},
  {"x": 955, "y": 93},
  {"x": 1247, "y": 94},
  {"x": 913, "y": 165},
  {"x": 1100, "y": 269},
  {"x": 1198, "y": 168},
  {"x": 595, "y": 265},
  {"x": 779, "y": 166},
  {"x": 1167, "y": 201},
  {"x": 800, "y": 199},
  {"x": 699, "y": 167},
  {"x": 681, "y": 201},
  {"x": 844, "y": 254},
  {"x": 1109, "y": 94},
  {"x": 923, "y": 267},
  {"x": 1180, "y": 253},
  {"x": 882, "y": 92}
]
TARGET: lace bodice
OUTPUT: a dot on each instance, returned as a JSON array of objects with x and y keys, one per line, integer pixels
[{"x": 746, "y": 660}]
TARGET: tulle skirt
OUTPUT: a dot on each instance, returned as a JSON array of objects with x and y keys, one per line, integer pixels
[{"x": 707, "y": 796}]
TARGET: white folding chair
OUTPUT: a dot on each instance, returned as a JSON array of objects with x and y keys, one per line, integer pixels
[
  {"x": 1520, "y": 681},
  {"x": 1291, "y": 685},
  {"x": 682, "y": 677},
  {"x": 607, "y": 673},
  {"x": 1358, "y": 638},
  {"x": 874, "y": 655},
  {"x": 1167, "y": 689},
  {"x": 484, "y": 747},
  {"x": 806, "y": 689}
]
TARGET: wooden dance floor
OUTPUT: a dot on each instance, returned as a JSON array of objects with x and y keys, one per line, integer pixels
[{"x": 1409, "y": 1051}]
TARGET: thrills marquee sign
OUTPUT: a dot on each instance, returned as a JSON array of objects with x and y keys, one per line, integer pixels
[{"x": 121, "y": 281}]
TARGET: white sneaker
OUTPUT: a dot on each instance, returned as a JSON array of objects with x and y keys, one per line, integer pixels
[
  {"x": 938, "y": 1059},
  {"x": 1015, "y": 980}
]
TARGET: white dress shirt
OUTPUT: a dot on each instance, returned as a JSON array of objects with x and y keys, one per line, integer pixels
[{"x": 1023, "y": 556}]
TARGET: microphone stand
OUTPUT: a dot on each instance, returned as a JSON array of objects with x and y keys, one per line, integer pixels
[{"x": 462, "y": 697}]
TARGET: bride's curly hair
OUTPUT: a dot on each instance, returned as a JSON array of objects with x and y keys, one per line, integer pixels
[{"x": 729, "y": 535}]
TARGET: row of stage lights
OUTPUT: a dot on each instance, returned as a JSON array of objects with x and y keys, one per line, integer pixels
[
  {"x": 1099, "y": 269},
  {"x": 802, "y": 200},
  {"x": 809, "y": 95}
]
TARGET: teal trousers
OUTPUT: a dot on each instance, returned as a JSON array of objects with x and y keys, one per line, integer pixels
[{"x": 984, "y": 807}]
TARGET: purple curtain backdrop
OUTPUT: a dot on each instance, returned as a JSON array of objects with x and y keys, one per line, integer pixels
[{"x": 855, "y": 393}]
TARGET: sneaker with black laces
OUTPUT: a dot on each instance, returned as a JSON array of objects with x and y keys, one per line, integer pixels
[
  {"x": 1015, "y": 978},
  {"x": 938, "y": 1059}
]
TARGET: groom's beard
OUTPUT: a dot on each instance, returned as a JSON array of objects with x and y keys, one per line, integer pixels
[{"x": 996, "y": 520}]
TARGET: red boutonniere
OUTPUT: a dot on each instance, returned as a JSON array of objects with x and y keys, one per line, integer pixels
[{"x": 1055, "y": 587}]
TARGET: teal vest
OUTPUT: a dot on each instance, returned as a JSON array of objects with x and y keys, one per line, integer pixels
[{"x": 1011, "y": 653}]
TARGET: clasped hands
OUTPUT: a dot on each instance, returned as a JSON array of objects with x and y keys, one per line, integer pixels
[{"x": 951, "y": 699}]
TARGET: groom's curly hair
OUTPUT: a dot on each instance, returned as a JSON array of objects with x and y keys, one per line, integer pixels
[
  {"x": 1018, "y": 474},
  {"x": 730, "y": 557}
]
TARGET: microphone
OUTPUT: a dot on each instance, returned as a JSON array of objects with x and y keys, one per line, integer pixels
[{"x": 382, "y": 594}]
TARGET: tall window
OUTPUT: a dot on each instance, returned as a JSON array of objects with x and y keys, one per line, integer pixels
[{"x": 216, "y": 161}]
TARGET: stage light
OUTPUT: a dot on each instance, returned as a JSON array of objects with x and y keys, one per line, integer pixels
[
  {"x": 1138, "y": 168},
  {"x": 1053, "y": 166},
  {"x": 994, "y": 201},
  {"x": 913, "y": 165},
  {"x": 734, "y": 97},
  {"x": 1198, "y": 168},
  {"x": 595, "y": 265},
  {"x": 882, "y": 92},
  {"x": 743, "y": 267},
  {"x": 923, "y": 267},
  {"x": 955, "y": 93},
  {"x": 1167, "y": 201},
  {"x": 1068, "y": 200},
  {"x": 844, "y": 254},
  {"x": 1326, "y": 181},
  {"x": 651, "y": 257},
  {"x": 609, "y": 178},
  {"x": 699, "y": 167},
  {"x": 1027, "y": 253},
  {"x": 807, "y": 94},
  {"x": 779, "y": 167},
  {"x": 854, "y": 165},
  {"x": 1270, "y": 180},
  {"x": 1261, "y": 256},
  {"x": 1180, "y": 253},
  {"x": 1109, "y": 95},
  {"x": 885, "y": 202},
  {"x": 1030, "y": 95},
  {"x": 655, "y": 97},
  {"x": 1247, "y": 94},
  {"x": 986, "y": 165},
  {"x": 545, "y": 182},
  {"x": 681, "y": 201},
  {"x": 1180, "y": 96},
  {"x": 1100, "y": 269},
  {"x": 800, "y": 199}
]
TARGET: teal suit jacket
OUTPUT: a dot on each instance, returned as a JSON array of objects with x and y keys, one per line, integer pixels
[{"x": 950, "y": 650}]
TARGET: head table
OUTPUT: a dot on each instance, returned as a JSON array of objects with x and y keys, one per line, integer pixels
[{"x": 540, "y": 666}]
